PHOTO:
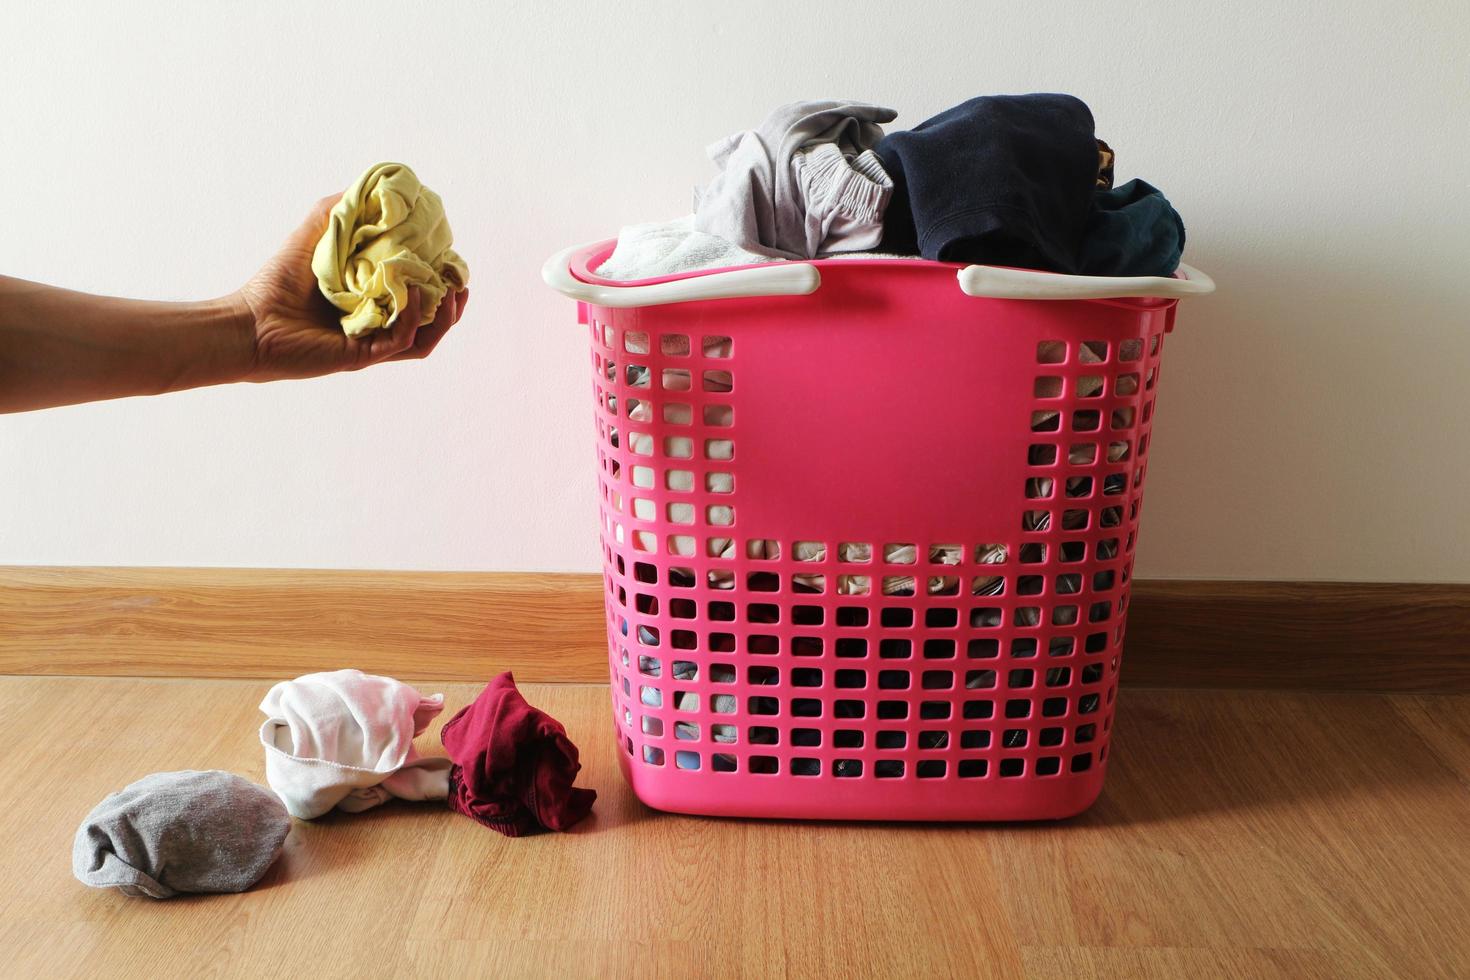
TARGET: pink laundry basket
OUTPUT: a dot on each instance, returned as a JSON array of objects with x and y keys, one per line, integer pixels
[{"x": 867, "y": 530}]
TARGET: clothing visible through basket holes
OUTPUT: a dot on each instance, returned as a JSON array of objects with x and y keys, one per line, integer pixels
[{"x": 907, "y": 585}]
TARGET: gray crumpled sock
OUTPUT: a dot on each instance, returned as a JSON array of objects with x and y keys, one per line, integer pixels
[{"x": 176, "y": 832}]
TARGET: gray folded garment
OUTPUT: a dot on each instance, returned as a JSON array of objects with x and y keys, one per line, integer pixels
[
  {"x": 805, "y": 182},
  {"x": 177, "y": 832}
]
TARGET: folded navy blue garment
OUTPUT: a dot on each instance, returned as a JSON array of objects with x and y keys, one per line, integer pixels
[
  {"x": 1133, "y": 231},
  {"x": 1000, "y": 179}
]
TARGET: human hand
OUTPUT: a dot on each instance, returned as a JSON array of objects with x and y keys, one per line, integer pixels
[{"x": 293, "y": 332}]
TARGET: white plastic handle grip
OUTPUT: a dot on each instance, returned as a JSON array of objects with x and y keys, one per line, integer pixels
[
  {"x": 996, "y": 283},
  {"x": 782, "y": 279}
]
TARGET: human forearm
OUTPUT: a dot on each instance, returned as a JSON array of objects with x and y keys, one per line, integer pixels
[{"x": 59, "y": 347}]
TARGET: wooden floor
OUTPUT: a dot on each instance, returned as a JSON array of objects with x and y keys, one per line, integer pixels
[{"x": 1241, "y": 834}]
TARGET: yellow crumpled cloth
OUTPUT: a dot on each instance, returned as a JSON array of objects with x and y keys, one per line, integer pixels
[{"x": 387, "y": 233}]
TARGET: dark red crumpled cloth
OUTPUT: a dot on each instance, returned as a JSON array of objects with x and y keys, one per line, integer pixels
[{"x": 513, "y": 764}]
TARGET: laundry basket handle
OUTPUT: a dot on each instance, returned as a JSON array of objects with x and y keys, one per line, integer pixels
[
  {"x": 994, "y": 282},
  {"x": 781, "y": 279}
]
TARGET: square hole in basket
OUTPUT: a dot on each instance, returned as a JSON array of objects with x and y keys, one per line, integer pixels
[
  {"x": 1122, "y": 418},
  {"x": 934, "y": 710},
  {"x": 1039, "y": 487},
  {"x": 979, "y": 679},
  {"x": 854, "y": 552},
  {"x": 933, "y": 739},
  {"x": 1130, "y": 350},
  {"x": 806, "y": 707},
  {"x": 941, "y": 618},
  {"x": 674, "y": 345},
  {"x": 806, "y": 646},
  {"x": 898, "y": 585},
  {"x": 806, "y": 677},
  {"x": 686, "y": 731},
  {"x": 852, "y": 616},
  {"x": 854, "y": 584},
  {"x": 808, "y": 583},
  {"x": 807, "y": 615},
  {"x": 975, "y": 738},
  {"x": 716, "y": 346},
  {"x": 888, "y": 769},
  {"x": 851, "y": 678},
  {"x": 1085, "y": 420},
  {"x": 675, "y": 379},
  {"x": 931, "y": 768},
  {"x": 635, "y": 375},
  {"x": 1041, "y": 454},
  {"x": 1090, "y": 386},
  {"x": 678, "y": 447},
  {"x": 892, "y": 710},
  {"x": 900, "y": 554},
  {"x": 979, "y": 709},
  {"x": 717, "y": 381},
  {"x": 762, "y": 612},
  {"x": 763, "y": 644},
  {"x": 851, "y": 647},
  {"x": 1082, "y": 453},
  {"x": 849, "y": 709},
  {"x": 946, "y": 554},
  {"x": 1051, "y": 352},
  {"x": 896, "y": 617},
  {"x": 846, "y": 738},
  {"x": 1093, "y": 352},
  {"x": 891, "y": 648},
  {"x": 763, "y": 675},
  {"x": 762, "y": 705},
  {"x": 764, "y": 765},
  {"x": 719, "y": 416},
  {"x": 890, "y": 739},
  {"x": 763, "y": 582},
  {"x": 1011, "y": 768},
  {"x": 988, "y": 585},
  {"x": 764, "y": 735},
  {"x": 1048, "y": 421},
  {"x": 982, "y": 649},
  {"x": 723, "y": 762},
  {"x": 719, "y": 449},
  {"x": 893, "y": 680},
  {"x": 806, "y": 737},
  {"x": 653, "y": 756},
  {"x": 936, "y": 680},
  {"x": 1048, "y": 386},
  {"x": 939, "y": 649},
  {"x": 944, "y": 585},
  {"x": 985, "y": 617}
]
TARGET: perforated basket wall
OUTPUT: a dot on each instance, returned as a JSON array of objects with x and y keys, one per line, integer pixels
[{"x": 867, "y": 551}]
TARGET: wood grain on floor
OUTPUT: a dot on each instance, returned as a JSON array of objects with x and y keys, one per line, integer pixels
[
  {"x": 1240, "y": 835},
  {"x": 265, "y": 623}
]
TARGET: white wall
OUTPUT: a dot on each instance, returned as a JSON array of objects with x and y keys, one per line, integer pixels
[{"x": 1313, "y": 419}]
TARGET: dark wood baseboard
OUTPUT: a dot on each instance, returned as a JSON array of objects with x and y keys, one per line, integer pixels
[{"x": 269, "y": 623}]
